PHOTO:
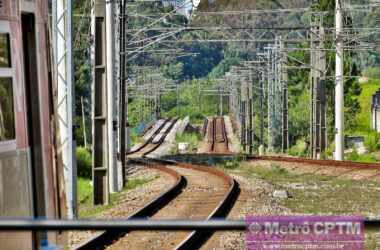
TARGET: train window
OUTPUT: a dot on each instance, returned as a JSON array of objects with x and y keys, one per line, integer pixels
[
  {"x": 7, "y": 119},
  {"x": 5, "y": 56}
]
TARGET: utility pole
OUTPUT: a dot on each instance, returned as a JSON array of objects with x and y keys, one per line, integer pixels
[
  {"x": 285, "y": 98},
  {"x": 100, "y": 156},
  {"x": 262, "y": 79},
  {"x": 178, "y": 111},
  {"x": 110, "y": 57},
  {"x": 63, "y": 55},
  {"x": 250, "y": 116},
  {"x": 220, "y": 102},
  {"x": 243, "y": 114},
  {"x": 199, "y": 97},
  {"x": 318, "y": 136},
  {"x": 271, "y": 103},
  {"x": 123, "y": 124},
  {"x": 339, "y": 83},
  {"x": 83, "y": 124}
]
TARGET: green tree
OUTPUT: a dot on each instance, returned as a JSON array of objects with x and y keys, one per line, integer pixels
[{"x": 352, "y": 88}]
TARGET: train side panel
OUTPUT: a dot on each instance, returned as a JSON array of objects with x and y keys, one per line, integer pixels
[{"x": 28, "y": 186}]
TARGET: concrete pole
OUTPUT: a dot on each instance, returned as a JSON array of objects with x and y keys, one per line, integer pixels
[
  {"x": 339, "y": 84},
  {"x": 220, "y": 103},
  {"x": 83, "y": 124},
  {"x": 262, "y": 79},
  {"x": 123, "y": 124},
  {"x": 270, "y": 99},
  {"x": 178, "y": 111},
  {"x": 199, "y": 97},
  {"x": 62, "y": 19},
  {"x": 250, "y": 116},
  {"x": 112, "y": 175}
]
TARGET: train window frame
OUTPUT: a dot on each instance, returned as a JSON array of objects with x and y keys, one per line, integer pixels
[{"x": 8, "y": 72}]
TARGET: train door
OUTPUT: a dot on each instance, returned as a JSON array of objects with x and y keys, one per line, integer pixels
[{"x": 33, "y": 117}]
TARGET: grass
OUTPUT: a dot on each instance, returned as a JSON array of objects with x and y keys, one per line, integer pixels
[
  {"x": 317, "y": 194},
  {"x": 192, "y": 138},
  {"x": 234, "y": 163},
  {"x": 363, "y": 118},
  {"x": 370, "y": 158},
  {"x": 312, "y": 194},
  {"x": 84, "y": 162},
  {"x": 135, "y": 139},
  {"x": 85, "y": 201}
]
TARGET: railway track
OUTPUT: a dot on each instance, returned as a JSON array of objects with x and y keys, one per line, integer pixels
[
  {"x": 217, "y": 134},
  {"x": 372, "y": 169},
  {"x": 343, "y": 164},
  {"x": 106, "y": 238},
  {"x": 199, "y": 193},
  {"x": 155, "y": 140}
]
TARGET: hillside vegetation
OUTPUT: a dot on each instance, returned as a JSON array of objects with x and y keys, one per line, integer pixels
[{"x": 209, "y": 5}]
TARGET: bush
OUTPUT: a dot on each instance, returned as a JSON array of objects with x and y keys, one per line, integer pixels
[
  {"x": 300, "y": 149},
  {"x": 371, "y": 141},
  {"x": 373, "y": 72},
  {"x": 192, "y": 138},
  {"x": 84, "y": 163},
  {"x": 354, "y": 156}
]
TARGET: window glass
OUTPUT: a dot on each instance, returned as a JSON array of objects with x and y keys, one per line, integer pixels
[
  {"x": 7, "y": 120},
  {"x": 5, "y": 56}
]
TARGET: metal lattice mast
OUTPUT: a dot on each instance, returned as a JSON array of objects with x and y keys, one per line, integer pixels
[
  {"x": 62, "y": 32},
  {"x": 278, "y": 113},
  {"x": 285, "y": 101}
]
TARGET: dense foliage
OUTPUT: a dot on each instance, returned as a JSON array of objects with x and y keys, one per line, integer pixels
[{"x": 209, "y": 61}]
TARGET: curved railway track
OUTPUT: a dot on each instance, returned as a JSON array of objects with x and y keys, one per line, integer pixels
[
  {"x": 199, "y": 193},
  {"x": 105, "y": 238},
  {"x": 209, "y": 194}
]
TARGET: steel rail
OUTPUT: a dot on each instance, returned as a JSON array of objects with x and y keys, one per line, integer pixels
[
  {"x": 162, "y": 139},
  {"x": 224, "y": 131},
  {"x": 204, "y": 128},
  {"x": 332, "y": 163},
  {"x": 146, "y": 143},
  {"x": 214, "y": 134},
  {"x": 107, "y": 237},
  {"x": 197, "y": 238},
  {"x": 213, "y": 129},
  {"x": 120, "y": 228}
]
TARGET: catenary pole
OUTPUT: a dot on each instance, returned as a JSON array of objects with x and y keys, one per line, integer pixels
[
  {"x": 63, "y": 53},
  {"x": 110, "y": 57},
  {"x": 339, "y": 83}
]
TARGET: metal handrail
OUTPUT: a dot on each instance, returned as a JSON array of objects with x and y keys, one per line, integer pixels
[{"x": 133, "y": 224}]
